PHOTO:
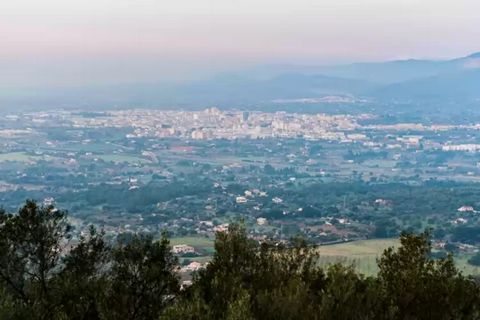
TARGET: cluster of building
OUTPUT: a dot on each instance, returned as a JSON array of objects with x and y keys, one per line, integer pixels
[
  {"x": 462, "y": 147},
  {"x": 213, "y": 123}
]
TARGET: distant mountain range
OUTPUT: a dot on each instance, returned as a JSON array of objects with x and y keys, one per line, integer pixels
[
  {"x": 403, "y": 70},
  {"x": 405, "y": 80},
  {"x": 459, "y": 85}
]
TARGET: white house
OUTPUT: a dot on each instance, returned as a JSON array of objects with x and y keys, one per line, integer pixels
[
  {"x": 466, "y": 209},
  {"x": 277, "y": 200},
  {"x": 241, "y": 200},
  {"x": 183, "y": 248},
  {"x": 261, "y": 221}
]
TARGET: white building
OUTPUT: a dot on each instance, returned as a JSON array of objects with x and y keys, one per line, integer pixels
[
  {"x": 460, "y": 221},
  {"x": 192, "y": 267},
  {"x": 221, "y": 228},
  {"x": 50, "y": 201},
  {"x": 183, "y": 248},
  {"x": 248, "y": 193},
  {"x": 466, "y": 209},
  {"x": 277, "y": 200},
  {"x": 241, "y": 200},
  {"x": 261, "y": 221}
]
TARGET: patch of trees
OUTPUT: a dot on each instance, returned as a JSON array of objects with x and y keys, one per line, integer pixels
[
  {"x": 466, "y": 234},
  {"x": 135, "y": 200},
  {"x": 46, "y": 275},
  {"x": 247, "y": 280},
  {"x": 475, "y": 260},
  {"x": 43, "y": 275}
]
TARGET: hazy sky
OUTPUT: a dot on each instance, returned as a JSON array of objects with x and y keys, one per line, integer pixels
[{"x": 103, "y": 41}]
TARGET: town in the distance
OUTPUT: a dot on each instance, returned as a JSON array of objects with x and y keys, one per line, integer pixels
[{"x": 329, "y": 177}]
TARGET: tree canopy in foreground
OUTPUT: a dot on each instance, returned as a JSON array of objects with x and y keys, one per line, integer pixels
[{"x": 45, "y": 275}]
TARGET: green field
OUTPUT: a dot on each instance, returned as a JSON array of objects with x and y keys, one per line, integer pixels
[
  {"x": 203, "y": 259},
  {"x": 362, "y": 254},
  {"x": 462, "y": 264},
  {"x": 120, "y": 158},
  {"x": 17, "y": 156},
  {"x": 197, "y": 242}
]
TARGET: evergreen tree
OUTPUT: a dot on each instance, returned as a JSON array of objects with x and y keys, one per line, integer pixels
[
  {"x": 142, "y": 279},
  {"x": 416, "y": 286},
  {"x": 31, "y": 244},
  {"x": 45, "y": 275}
]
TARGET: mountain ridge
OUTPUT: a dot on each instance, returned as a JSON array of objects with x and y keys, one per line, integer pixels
[{"x": 398, "y": 79}]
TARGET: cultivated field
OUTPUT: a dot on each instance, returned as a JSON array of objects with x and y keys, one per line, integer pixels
[
  {"x": 362, "y": 254},
  {"x": 16, "y": 156},
  {"x": 120, "y": 158},
  {"x": 196, "y": 242}
]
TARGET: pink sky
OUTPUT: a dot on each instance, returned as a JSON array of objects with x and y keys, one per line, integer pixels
[{"x": 96, "y": 41}]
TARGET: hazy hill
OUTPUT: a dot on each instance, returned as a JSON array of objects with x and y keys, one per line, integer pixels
[
  {"x": 455, "y": 85},
  {"x": 224, "y": 90},
  {"x": 456, "y": 79},
  {"x": 237, "y": 89},
  {"x": 376, "y": 72}
]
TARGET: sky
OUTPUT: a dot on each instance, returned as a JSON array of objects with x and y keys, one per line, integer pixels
[{"x": 89, "y": 42}]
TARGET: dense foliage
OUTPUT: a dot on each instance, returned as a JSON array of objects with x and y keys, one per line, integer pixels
[{"x": 46, "y": 275}]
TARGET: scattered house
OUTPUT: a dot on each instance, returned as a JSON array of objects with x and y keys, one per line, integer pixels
[
  {"x": 277, "y": 200},
  {"x": 186, "y": 284},
  {"x": 241, "y": 200},
  {"x": 248, "y": 193},
  {"x": 460, "y": 221},
  {"x": 261, "y": 221},
  {"x": 192, "y": 267},
  {"x": 71, "y": 162},
  {"x": 466, "y": 247},
  {"x": 466, "y": 209},
  {"x": 132, "y": 180},
  {"x": 133, "y": 183},
  {"x": 262, "y": 194},
  {"x": 206, "y": 223},
  {"x": 50, "y": 201},
  {"x": 221, "y": 228},
  {"x": 183, "y": 248},
  {"x": 383, "y": 202},
  {"x": 439, "y": 244},
  {"x": 259, "y": 238}
]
